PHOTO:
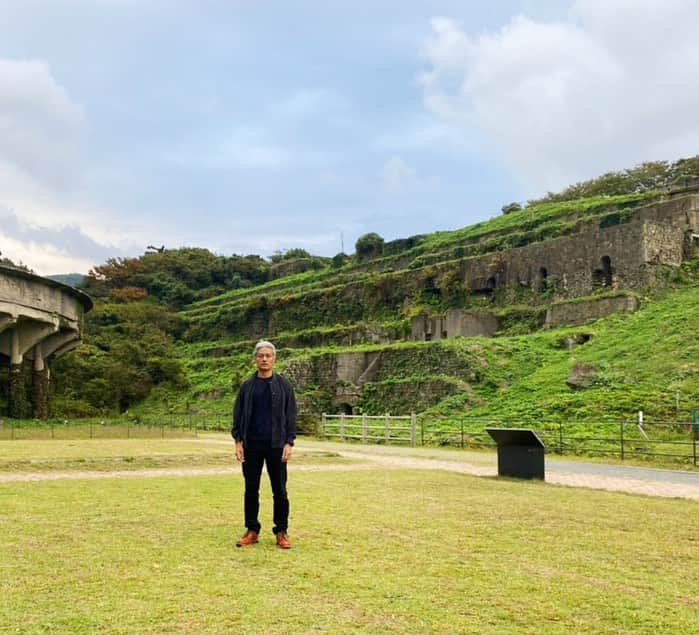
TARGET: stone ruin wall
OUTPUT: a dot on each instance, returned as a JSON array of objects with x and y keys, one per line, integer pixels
[
  {"x": 453, "y": 322},
  {"x": 570, "y": 313},
  {"x": 338, "y": 382},
  {"x": 623, "y": 256},
  {"x": 574, "y": 265},
  {"x": 657, "y": 234},
  {"x": 568, "y": 263}
]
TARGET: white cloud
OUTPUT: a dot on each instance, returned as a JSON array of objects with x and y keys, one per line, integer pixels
[
  {"x": 397, "y": 175},
  {"x": 41, "y": 168},
  {"x": 44, "y": 258},
  {"x": 614, "y": 85},
  {"x": 40, "y": 127}
]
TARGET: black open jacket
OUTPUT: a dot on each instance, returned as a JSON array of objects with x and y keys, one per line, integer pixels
[{"x": 283, "y": 411}]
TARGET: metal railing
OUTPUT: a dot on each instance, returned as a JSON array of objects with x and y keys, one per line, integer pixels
[
  {"x": 670, "y": 442},
  {"x": 665, "y": 441},
  {"x": 122, "y": 427}
]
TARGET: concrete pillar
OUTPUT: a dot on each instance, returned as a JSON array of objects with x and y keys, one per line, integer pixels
[
  {"x": 17, "y": 395},
  {"x": 40, "y": 385}
]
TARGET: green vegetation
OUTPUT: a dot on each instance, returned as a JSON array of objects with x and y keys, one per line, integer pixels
[
  {"x": 71, "y": 454},
  {"x": 649, "y": 176},
  {"x": 172, "y": 330},
  {"x": 128, "y": 352},
  {"x": 369, "y": 246},
  {"x": 458, "y": 554},
  {"x": 175, "y": 277}
]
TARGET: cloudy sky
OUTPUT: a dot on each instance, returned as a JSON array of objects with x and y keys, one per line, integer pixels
[{"x": 252, "y": 126}]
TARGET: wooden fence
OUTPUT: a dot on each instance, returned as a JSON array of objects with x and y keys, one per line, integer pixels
[{"x": 371, "y": 429}]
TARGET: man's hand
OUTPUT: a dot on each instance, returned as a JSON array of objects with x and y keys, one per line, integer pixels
[
  {"x": 239, "y": 451},
  {"x": 286, "y": 452}
]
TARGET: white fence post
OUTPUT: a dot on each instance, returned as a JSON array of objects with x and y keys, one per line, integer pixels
[
  {"x": 323, "y": 425},
  {"x": 342, "y": 426},
  {"x": 413, "y": 429},
  {"x": 364, "y": 427},
  {"x": 388, "y": 429}
]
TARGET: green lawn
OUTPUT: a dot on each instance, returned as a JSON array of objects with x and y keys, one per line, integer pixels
[
  {"x": 396, "y": 550},
  {"x": 36, "y": 450}
]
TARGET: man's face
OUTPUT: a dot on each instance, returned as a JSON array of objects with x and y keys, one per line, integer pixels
[{"x": 264, "y": 359}]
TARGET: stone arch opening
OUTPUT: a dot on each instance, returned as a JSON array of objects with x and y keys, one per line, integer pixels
[
  {"x": 542, "y": 279},
  {"x": 431, "y": 289},
  {"x": 345, "y": 409},
  {"x": 602, "y": 275}
]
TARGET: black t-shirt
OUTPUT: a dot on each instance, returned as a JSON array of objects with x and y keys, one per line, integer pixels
[{"x": 261, "y": 422}]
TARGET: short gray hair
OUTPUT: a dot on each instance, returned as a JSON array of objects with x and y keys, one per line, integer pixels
[{"x": 264, "y": 344}]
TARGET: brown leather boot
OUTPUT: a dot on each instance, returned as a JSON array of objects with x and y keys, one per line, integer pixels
[
  {"x": 249, "y": 538},
  {"x": 283, "y": 541}
]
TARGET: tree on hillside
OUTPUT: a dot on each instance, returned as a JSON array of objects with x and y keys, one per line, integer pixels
[
  {"x": 128, "y": 349},
  {"x": 645, "y": 177},
  {"x": 511, "y": 207},
  {"x": 175, "y": 277},
  {"x": 289, "y": 254},
  {"x": 369, "y": 246}
]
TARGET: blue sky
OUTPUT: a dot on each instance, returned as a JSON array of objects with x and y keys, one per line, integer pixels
[{"x": 259, "y": 126}]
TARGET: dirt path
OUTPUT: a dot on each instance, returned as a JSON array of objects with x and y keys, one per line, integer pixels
[
  {"x": 23, "y": 477},
  {"x": 380, "y": 458},
  {"x": 594, "y": 478}
]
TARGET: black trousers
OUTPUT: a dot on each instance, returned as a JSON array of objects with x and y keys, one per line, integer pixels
[{"x": 258, "y": 453}]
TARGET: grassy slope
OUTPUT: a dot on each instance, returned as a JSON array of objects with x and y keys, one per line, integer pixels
[
  {"x": 543, "y": 217},
  {"x": 644, "y": 361}
]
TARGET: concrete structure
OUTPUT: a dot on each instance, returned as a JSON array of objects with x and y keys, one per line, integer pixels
[
  {"x": 454, "y": 322},
  {"x": 624, "y": 256},
  {"x": 620, "y": 249},
  {"x": 40, "y": 319},
  {"x": 579, "y": 312}
]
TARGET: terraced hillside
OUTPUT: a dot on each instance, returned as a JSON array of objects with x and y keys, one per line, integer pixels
[{"x": 374, "y": 334}]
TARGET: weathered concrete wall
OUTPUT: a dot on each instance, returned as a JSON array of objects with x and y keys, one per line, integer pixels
[
  {"x": 568, "y": 263},
  {"x": 579, "y": 312},
  {"x": 37, "y": 297},
  {"x": 662, "y": 244},
  {"x": 682, "y": 212},
  {"x": 627, "y": 255},
  {"x": 655, "y": 236},
  {"x": 350, "y": 367},
  {"x": 454, "y": 322},
  {"x": 342, "y": 381}
]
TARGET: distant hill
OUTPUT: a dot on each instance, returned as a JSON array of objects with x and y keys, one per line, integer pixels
[{"x": 71, "y": 279}]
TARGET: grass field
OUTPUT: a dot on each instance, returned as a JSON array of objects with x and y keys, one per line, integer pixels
[
  {"x": 373, "y": 550},
  {"x": 108, "y": 454}
]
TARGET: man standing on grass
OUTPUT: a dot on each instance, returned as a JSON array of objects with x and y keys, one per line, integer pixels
[{"x": 264, "y": 429}]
